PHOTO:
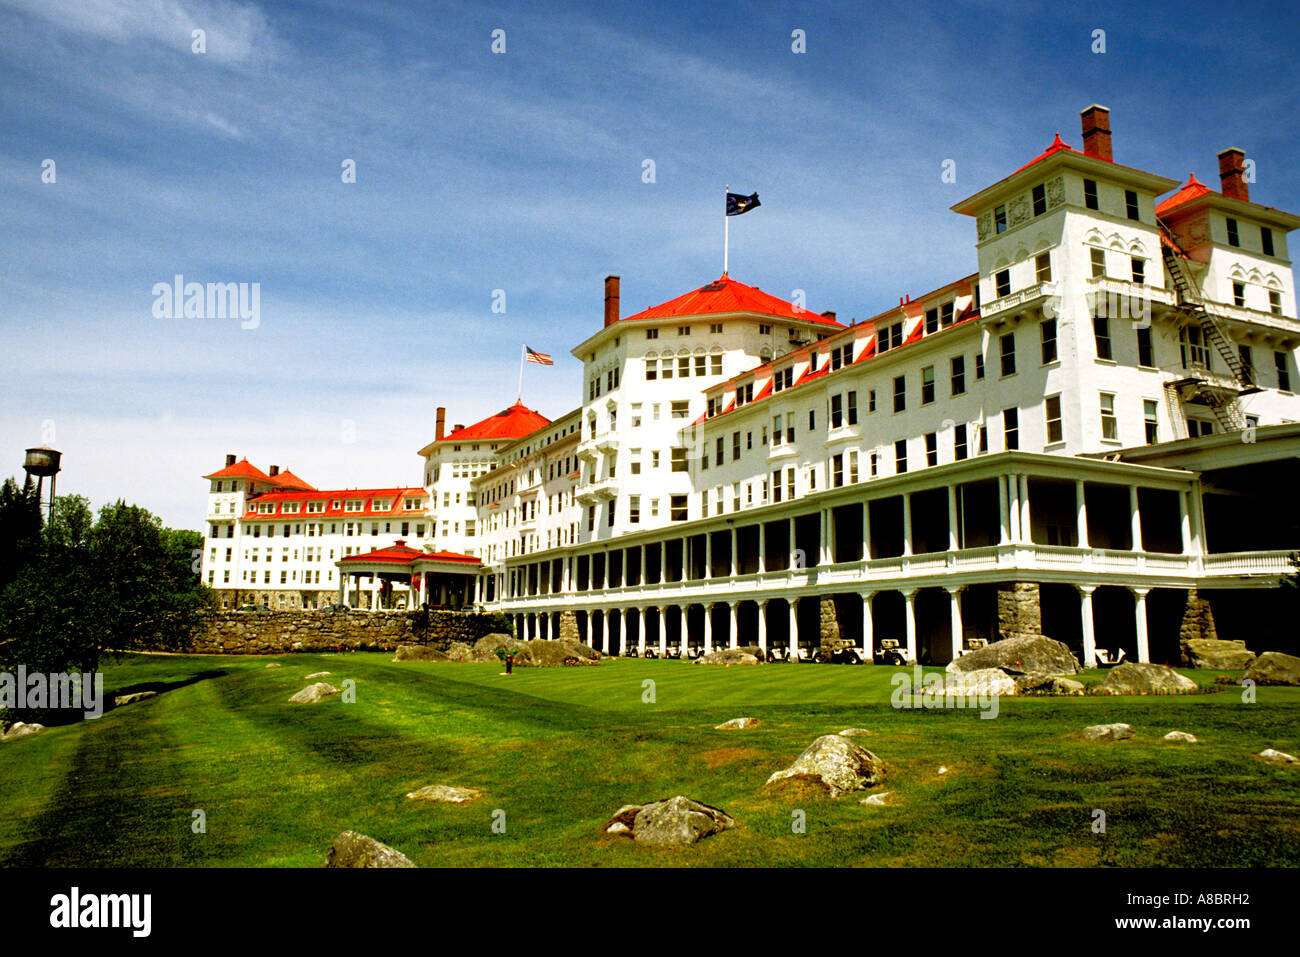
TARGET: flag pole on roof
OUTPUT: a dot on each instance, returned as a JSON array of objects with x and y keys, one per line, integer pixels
[
  {"x": 523, "y": 351},
  {"x": 736, "y": 205}
]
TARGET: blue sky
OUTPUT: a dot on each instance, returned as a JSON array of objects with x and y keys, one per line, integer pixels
[{"x": 522, "y": 172}]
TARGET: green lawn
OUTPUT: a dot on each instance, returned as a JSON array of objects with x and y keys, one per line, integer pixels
[{"x": 559, "y": 750}]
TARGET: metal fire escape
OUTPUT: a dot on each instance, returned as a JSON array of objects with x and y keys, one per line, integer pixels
[{"x": 1223, "y": 399}]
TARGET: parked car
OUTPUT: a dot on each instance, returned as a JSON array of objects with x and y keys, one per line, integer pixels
[{"x": 252, "y": 608}]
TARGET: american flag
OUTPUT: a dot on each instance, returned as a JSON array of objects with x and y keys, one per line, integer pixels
[{"x": 541, "y": 358}]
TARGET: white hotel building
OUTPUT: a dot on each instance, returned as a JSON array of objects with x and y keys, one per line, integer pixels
[{"x": 1084, "y": 437}]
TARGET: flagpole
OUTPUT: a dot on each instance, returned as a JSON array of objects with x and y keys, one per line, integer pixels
[
  {"x": 726, "y": 229},
  {"x": 522, "y": 353}
]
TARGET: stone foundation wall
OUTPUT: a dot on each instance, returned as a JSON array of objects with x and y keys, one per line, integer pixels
[
  {"x": 280, "y": 632},
  {"x": 1019, "y": 609}
]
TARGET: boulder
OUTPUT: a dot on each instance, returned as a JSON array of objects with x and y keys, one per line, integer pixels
[
  {"x": 351, "y": 849},
  {"x": 20, "y": 729},
  {"x": 1134, "y": 677},
  {"x": 738, "y": 723},
  {"x": 1215, "y": 654},
  {"x": 546, "y": 653},
  {"x": 459, "y": 651},
  {"x": 853, "y": 732},
  {"x": 445, "y": 794},
  {"x": 1181, "y": 737},
  {"x": 729, "y": 656},
  {"x": 1047, "y": 685},
  {"x": 1278, "y": 757},
  {"x": 876, "y": 800},
  {"x": 672, "y": 822},
  {"x": 319, "y": 674},
  {"x": 491, "y": 644},
  {"x": 132, "y": 698},
  {"x": 983, "y": 682},
  {"x": 314, "y": 693},
  {"x": 419, "y": 653},
  {"x": 1020, "y": 655},
  {"x": 837, "y": 764},
  {"x": 1275, "y": 668},
  {"x": 1108, "y": 732},
  {"x": 274, "y": 664}
]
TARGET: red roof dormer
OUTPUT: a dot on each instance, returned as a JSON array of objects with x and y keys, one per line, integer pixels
[{"x": 726, "y": 295}]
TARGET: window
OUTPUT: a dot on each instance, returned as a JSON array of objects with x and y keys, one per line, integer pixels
[
  {"x": 1000, "y": 219},
  {"x": 1266, "y": 240},
  {"x": 1139, "y": 270},
  {"x": 1146, "y": 357},
  {"x": 1233, "y": 238},
  {"x": 1109, "y": 424},
  {"x": 1247, "y": 362},
  {"x": 1040, "y": 199},
  {"x": 958, "y": 375},
  {"x": 635, "y": 457},
  {"x": 701, "y": 365},
  {"x": 715, "y": 328},
  {"x": 684, "y": 367},
  {"x": 890, "y": 337},
  {"x": 1275, "y": 302},
  {"x": 681, "y": 410},
  {"x": 683, "y": 330},
  {"x": 1052, "y": 408},
  {"x": 1198, "y": 427},
  {"x": 927, "y": 385},
  {"x": 1192, "y": 348},
  {"x": 1048, "y": 331},
  {"x": 871, "y": 400},
  {"x": 1131, "y": 204},
  {"x": 837, "y": 470},
  {"x": 931, "y": 321},
  {"x": 778, "y": 432},
  {"x": 900, "y": 393},
  {"x": 1239, "y": 294},
  {"x": 1101, "y": 334},
  {"x": 666, "y": 368},
  {"x": 720, "y": 451},
  {"x": 776, "y": 485},
  {"x": 1283, "y": 373},
  {"x": 900, "y": 456},
  {"x": 837, "y": 411},
  {"x": 1090, "y": 194},
  {"x": 931, "y": 448},
  {"x": 764, "y": 330},
  {"x": 1002, "y": 283},
  {"x": 852, "y": 455},
  {"x": 1098, "y": 262},
  {"x": 652, "y": 333},
  {"x": 959, "y": 442},
  {"x": 715, "y": 365},
  {"x": 1043, "y": 267},
  {"x": 812, "y": 420},
  {"x": 979, "y": 366},
  {"x": 1009, "y": 353},
  {"x": 1011, "y": 429},
  {"x": 735, "y": 446},
  {"x": 679, "y": 460},
  {"x": 1150, "y": 410}
]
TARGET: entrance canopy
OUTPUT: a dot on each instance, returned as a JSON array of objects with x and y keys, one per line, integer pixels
[{"x": 442, "y": 579}]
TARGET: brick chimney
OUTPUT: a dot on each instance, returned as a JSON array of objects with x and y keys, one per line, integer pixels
[
  {"x": 829, "y": 314},
  {"x": 611, "y": 300},
  {"x": 230, "y": 460},
  {"x": 441, "y": 427},
  {"x": 275, "y": 470},
  {"x": 1232, "y": 173},
  {"x": 1096, "y": 131}
]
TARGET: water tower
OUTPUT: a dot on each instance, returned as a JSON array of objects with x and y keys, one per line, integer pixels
[{"x": 42, "y": 461}]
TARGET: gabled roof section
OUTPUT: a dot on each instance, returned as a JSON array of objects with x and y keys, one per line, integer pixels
[
  {"x": 1192, "y": 189},
  {"x": 726, "y": 295},
  {"x": 287, "y": 480},
  {"x": 513, "y": 423},
  {"x": 242, "y": 469},
  {"x": 1058, "y": 144},
  {"x": 398, "y": 554}
]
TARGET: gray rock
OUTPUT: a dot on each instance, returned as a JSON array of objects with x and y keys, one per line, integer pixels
[
  {"x": 314, "y": 693},
  {"x": 445, "y": 794},
  {"x": 274, "y": 664},
  {"x": 837, "y": 764},
  {"x": 1020, "y": 655},
  {"x": 319, "y": 674},
  {"x": 1108, "y": 732},
  {"x": 20, "y": 729},
  {"x": 876, "y": 800},
  {"x": 729, "y": 656},
  {"x": 1275, "y": 668},
  {"x": 1216, "y": 655},
  {"x": 983, "y": 682},
  {"x": 1278, "y": 757},
  {"x": 497, "y": 641},
  {"x": 853, "y": 732},
  {"x": 547, "y": 653},
  {"x": 419, "y": 653},
  {"x": 737, "y": 723},
  {"x": 1066, "y": 686},
  {"x": 1181, "y": 737},
  {"x": 351, "y": 849},
  {"x": 132, "y": 698},
  {"x": 1136, "y": 678},
  {"x": 672, "y": 822}
]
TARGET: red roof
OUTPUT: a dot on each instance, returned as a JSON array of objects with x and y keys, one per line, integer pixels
[
  {"x": 1058, "y": 144},
  {"x": 287, "y": 479},
  {"x": 1190, "y": 190},
  {"x": 242, "y": 469},
  {"x": 512, "y": 423},
  {"x": 395, "y": 496},
  {"x": 725, "y": 295},
  {"x": 402, "y": 554}
]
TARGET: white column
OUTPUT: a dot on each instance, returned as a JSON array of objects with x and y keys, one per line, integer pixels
[
  {"x": 735, "y": 561},
  {"x": 343, "y": 587},
  {"x": 1081, "y": 513},
  {"x": 910, "y": 600},
  {"x": 640, "y": 620},
  {"x": 663, "y": 562},
  {"x": 1089, "y": 637},
  {"x": 708, "y": 554},
  {"x": 374, "y": 592},
  {"x": 1135, "y": 517},
  {"x": 1026, "y": 525},
  {"x": 663, "y": 632},
  {"x": 641, "y": 575},
  {"x": 1185, "y": 523},
  {"x": 793, "y": 646},
  {"x": 955, "y": 599},
  {"x": 952, "y": 518},
  {"x": 793, "y": 546},
  {"x": 1004, "y": 512},
  {"x": 1140, "y": 603},
  {"x": 824, "y": 540},
  {"x": 762, "y": 547},
  {"x": 708, "y": 628},
  {"x": 907, "y": 523},
  {"x": 866, "y": 531},
  {"x": 868, "y": 628},
  {"x": 734, "y": 630},
  {"x": 622, "y": 633},
  {"x": 762, "y": 624},
  {"x": 1013, "y": 507}
]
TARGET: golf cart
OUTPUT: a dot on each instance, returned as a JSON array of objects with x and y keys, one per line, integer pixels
[{"x": 887, "y": 653}]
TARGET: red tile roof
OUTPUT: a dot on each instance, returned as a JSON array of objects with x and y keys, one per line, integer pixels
[
  {"x": 512, "y": 423},
  {"x": 726, "y": 295},
  {"x": 402, "y": 554},
  {"x": 342, "y": 496},
  {"x": 287, "y": 479},
  {"x": 242, "y": 469},
  {"x": 1058, "y": 144},
  {"x": 1190, "y": 190}
]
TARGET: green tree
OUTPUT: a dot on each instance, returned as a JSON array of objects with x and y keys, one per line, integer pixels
[{"x": 20, "y": 527}]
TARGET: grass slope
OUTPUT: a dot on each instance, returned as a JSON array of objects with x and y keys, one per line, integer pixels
[{"x": 557, "y": 751}]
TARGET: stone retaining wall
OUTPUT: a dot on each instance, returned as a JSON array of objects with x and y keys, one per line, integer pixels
[{"x": 279, "y": 632}]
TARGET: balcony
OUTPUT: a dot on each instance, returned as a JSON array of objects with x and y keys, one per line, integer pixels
[{"x": 1035, "y": 295}]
